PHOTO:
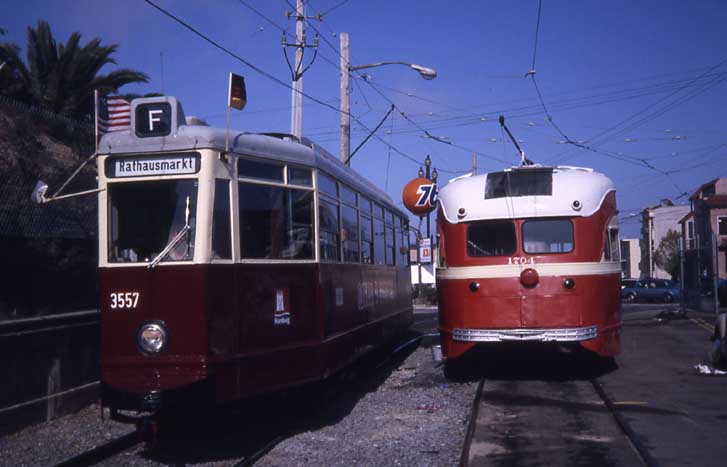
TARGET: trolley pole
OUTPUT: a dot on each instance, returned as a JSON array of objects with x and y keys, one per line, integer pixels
[
  {"x": 345, "y": 99},
  {"x": 296, "y": 117}
]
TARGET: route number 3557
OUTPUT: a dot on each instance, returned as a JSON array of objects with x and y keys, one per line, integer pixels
[{"x": 124, "y": 300}]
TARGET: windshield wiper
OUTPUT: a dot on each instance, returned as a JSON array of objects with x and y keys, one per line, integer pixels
[{"x": 175, "y": 241}]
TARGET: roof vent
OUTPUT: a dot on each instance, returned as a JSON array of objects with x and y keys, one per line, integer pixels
[{"x": 192, "y": 120}]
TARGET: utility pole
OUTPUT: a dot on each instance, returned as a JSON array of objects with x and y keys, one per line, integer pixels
[
  {"x": 345, "y": 99},
  {"x": 296, "y": 117},
  {"x": 474, "y": 163}
]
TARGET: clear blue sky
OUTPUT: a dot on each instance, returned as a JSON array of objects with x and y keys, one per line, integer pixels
[{"x": 642, "y": 83}]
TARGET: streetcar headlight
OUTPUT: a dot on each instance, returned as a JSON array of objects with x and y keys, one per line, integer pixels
[{"x": 152, "y": 338}]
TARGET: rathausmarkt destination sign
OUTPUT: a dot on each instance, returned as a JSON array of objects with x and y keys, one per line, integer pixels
[{"x": 174, "y": 164}]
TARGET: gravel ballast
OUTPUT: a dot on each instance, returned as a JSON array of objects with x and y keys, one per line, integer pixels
[{"x": 402, "y": 412}]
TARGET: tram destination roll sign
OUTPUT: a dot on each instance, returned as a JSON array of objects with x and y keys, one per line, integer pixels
[{"x": 169, "y": 164}]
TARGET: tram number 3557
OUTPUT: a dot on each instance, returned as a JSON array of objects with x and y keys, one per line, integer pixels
[{"x": 124, "y": 300}]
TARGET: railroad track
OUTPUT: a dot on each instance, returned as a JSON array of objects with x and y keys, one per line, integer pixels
[
  {"x": 103, "y": 451},
  {"x": 359, "y": 370},
  {"x": 633, "y": 440}
]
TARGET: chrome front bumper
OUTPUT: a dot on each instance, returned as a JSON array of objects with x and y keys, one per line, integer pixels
[{"x": 521, "y": 334}]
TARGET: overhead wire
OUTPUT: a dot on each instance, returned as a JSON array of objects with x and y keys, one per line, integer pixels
[
  {"x": 257, "y": 12},
  {"x": 273, "y": 78}
]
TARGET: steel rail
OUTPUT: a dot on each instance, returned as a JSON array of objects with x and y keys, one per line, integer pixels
[
  {"x": 464, "y": 459},
  {"x": 643, "y": 453},
  {"x": 103, "y": 452}
]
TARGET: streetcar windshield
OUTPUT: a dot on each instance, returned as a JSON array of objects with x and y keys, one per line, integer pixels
[
  {"x": 548, "y": 236},
  {"x": 491, "y": 238},
  {"x": 146, "y": 217}
]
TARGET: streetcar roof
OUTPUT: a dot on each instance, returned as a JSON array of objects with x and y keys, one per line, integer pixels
[
  {"x": 271, "y": 146},
  {"x": 573, "y": 191}
]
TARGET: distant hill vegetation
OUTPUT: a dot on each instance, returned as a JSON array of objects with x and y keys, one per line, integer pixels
[{"x": 46, "y": 129}]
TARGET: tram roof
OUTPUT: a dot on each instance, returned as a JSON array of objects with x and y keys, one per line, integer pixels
[
  {"x": 574, "y": 191},
  {"x": 270, "y": 146}
]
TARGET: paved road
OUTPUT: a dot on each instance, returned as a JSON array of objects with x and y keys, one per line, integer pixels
[{"x": 541, "y": 409}]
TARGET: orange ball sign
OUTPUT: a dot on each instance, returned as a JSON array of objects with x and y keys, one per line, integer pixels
[{"x": 420, "y": 196}]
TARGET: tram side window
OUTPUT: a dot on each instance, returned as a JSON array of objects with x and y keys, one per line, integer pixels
[
  {"x": 379, "y": 244},
  {"x": 349, "y": 233},
  {"x": 491, "y": 238},
  {"x": 221, "y": 232},
  {"x": 402, "y": 235},
  {"x": 260, "y": 170},
  {"x": 327, "y": 185},
  {"x": 329, "y": 231},
  {"x": 367, "y": 240},
  {"x": 300, "y": 176},
  {"x": 275, "y": 222},
  {"x": 548, "y": 236},
  {"x": 611, "y": 250},
  {"x": 390, "y": 245}
]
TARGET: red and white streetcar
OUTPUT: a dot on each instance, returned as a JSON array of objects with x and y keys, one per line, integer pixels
[{"x": 529, "y": 254}]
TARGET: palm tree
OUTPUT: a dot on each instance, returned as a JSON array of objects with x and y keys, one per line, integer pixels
[{"x": 62, "y": 77}]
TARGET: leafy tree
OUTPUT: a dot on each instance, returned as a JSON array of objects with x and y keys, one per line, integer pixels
[
  {"x": 61, "y": 77},
  {"x": 666, "y": 255}
]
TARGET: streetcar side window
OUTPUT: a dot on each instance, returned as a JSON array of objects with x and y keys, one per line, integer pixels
[
  {"x": 221, "y": 232},
  {"x": 403, "y": 251},
  {"x": 329, "y": 230},
  {"x": 367, "y": 239},
  {"x": 390, "y": 242},
  {"x": 548, "y": 236},
  {"x": 379, "y": 242},
  {"x": 389, "y": 245},
  {"x": 349, "y": 233},
  {"x": 348, "y": 196},
  {"x": 365, "y": 204},
  {"x": 491, "y": 238},
  {"x": 300, "y": 176},
  {"x": 327, "y": 185},
  {"x": 247, "y": 168},
  {"x": 275, "y": 222}
]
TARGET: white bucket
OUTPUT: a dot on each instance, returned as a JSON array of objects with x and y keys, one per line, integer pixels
[{"x": 437, "y": 353}]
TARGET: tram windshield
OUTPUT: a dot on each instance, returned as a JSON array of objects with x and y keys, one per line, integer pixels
[{"x": 146, "y": 217}]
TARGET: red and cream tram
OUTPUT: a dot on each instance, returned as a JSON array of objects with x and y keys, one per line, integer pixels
[
  {"x": 529, "y": 254},
  {"x": 224, "y": 274}
]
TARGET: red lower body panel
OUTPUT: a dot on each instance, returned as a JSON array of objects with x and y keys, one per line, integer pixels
[{"x": 501, "y": 309}]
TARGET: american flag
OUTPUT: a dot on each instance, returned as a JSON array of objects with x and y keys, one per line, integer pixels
[{"x": 114, "y": 114}]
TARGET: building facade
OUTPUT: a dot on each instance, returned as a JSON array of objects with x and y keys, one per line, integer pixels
[
  {"x": 656, "y": 222},
  {"x": 630, "y": 258},
  {"x": 705, "y": 225}
]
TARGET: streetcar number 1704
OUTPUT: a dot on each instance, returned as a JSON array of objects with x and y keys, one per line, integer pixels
[{"x": 520, "y": 260}]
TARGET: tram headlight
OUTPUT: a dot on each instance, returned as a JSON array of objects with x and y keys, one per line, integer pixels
[{"x": 152, "y": 337}]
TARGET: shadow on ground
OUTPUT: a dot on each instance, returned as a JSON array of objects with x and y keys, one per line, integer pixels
[
  {"x": 238, "y": 431},
  {"x": 528, "y": 361}
]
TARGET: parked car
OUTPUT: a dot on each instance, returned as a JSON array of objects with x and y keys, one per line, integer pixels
[{"x": 649, "y": 289}]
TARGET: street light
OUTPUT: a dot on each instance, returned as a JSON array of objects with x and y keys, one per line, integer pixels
[
  {"x": 426, "y": 73},
  {"x": 346, "y": 69}
]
